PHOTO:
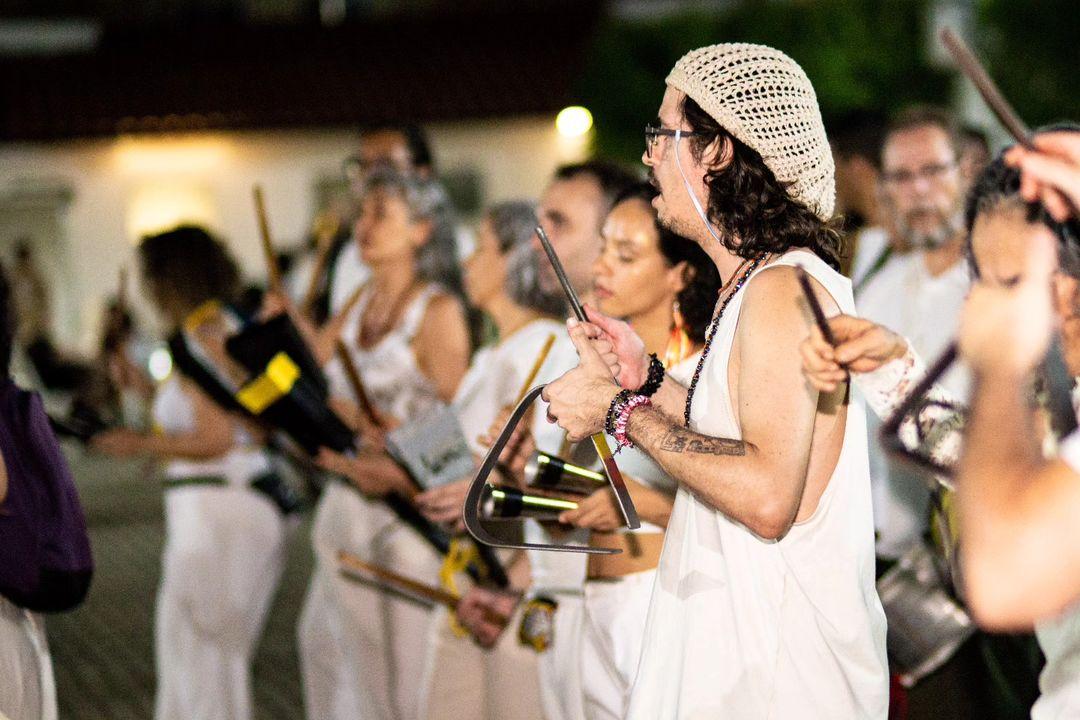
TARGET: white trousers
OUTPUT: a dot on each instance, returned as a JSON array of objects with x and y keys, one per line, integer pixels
[
  {"x": 560, "y": 665},
  {"x": 224, "y": 552},
  {"x": 614, "y": 629},
  {"x": 466, "y": 682},
  {"x": 27, "y": 688},
  {"x": 380, "y": 638}
]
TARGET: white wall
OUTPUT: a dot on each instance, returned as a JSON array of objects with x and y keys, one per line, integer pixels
[{"x": 128, "y": 186}]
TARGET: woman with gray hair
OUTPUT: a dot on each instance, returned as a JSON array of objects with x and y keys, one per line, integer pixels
[
  {"x": 462, "y": 680},
  {"x": 362, "y": 650}
]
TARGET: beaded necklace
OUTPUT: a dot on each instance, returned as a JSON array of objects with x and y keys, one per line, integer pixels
[{"x": 750, "y": 266}]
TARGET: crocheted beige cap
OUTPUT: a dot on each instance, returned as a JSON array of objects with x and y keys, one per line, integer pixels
[{"x": 762, "y": 97}]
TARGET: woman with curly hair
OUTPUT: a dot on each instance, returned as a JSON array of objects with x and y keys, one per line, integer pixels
[{"x": 224, "y": 543}]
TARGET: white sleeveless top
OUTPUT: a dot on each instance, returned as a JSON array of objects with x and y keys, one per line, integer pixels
[
  {"x": 394, "y": 383},
  {"x": 495, "y": 376},
  {"x": 174, "y": 413},
  {"x": 741, "y": 627}
]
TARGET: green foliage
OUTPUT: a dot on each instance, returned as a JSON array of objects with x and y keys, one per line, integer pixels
[
  {"x": 1032, "y": 52},
  {"x": 860, "y": 54}
]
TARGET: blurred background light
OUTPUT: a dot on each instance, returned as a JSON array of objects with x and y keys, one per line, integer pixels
[{"x": 573, "y": 121}]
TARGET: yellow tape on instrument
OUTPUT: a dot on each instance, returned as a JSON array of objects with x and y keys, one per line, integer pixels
[
  {"x": 201, "y": 314},
  {"x": 459, "y": 556},
  {"x": 270, "y": 386}
]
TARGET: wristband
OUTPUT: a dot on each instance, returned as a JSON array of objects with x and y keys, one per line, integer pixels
[
  {"x": 622, "y": 419},
  {"x": 654, "y": 378}
]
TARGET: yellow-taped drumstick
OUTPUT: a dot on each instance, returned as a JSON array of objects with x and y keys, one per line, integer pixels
[{"x": 354, "y": 567}]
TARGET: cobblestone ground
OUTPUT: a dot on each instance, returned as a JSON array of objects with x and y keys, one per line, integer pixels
[{"x": 103, "y": 652}]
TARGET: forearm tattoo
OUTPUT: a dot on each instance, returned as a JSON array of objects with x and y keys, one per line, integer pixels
[{"x": 679, "y": 440}]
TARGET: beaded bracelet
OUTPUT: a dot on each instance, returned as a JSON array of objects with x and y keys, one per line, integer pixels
[
  {"x": 617, "y": 402},
  {"x": 622, "y": 420},
  {"x": 654, "y": 378}
]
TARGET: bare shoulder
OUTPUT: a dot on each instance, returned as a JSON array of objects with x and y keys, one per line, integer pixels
[
  {"x": 443, "y": 322},
  {"x": 443, "y": 307},
  {"x": 776, "y": 290}
]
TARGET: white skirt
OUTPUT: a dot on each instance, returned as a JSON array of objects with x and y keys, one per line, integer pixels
[
  {"x": 382, "y": 638},
  {"x": 224, "y": 553},
  {"x": 27, "y": 688},
  {"x": 464, "y": 681}
]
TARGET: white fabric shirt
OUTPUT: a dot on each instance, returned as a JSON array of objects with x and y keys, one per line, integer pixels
[
  {"x": 871, "y": 243},
  {"x": 905, "y": 298},
  {"x": 741, "y": 627},
  {"x": 350, "y": 272},
  {"x": 495, "y": 376},
  {"x": 173, "y": 412}
]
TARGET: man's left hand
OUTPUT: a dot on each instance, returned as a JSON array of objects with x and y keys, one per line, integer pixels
[{"x": 579, "y": 400}]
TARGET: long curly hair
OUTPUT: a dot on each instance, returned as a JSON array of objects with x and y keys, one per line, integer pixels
[{"x": 750, "y": 206}]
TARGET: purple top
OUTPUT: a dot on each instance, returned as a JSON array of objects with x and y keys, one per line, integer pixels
[{"x": 45, "y": 561}]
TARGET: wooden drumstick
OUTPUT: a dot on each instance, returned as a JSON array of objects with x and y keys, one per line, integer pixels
[
  {"x": 325, "y": 240},
  {"x": 352, "y": 375},
  {"x": 540, "y": 359},
  {"x": 273, "y": 272},
  {"x": 354, "y": 567}
]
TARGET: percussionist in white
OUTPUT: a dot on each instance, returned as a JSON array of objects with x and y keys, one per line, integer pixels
[{"x": 764, "y": 603}]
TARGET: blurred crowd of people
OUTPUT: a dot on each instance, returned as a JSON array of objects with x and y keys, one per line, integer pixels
[{"x": 400, "y": 328}]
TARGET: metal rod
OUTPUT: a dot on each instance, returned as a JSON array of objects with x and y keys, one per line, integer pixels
[
  {"x": 997, "y": 103},
  {"x": 622, "y": 495},
  {"x": 556, "y": 264}
]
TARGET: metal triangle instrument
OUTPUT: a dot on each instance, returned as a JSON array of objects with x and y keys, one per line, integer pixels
[{"x": 622, "y": 495}]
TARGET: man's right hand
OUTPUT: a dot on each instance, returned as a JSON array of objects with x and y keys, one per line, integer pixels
[
  {"x": 619, "y": 346},
  {"x": 862, "y": 347},
  {"x": 1050, "y": 173},
  {"x": 485, "y": 613}
]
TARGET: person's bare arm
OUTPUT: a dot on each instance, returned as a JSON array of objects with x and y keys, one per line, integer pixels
[
  {"x": 442, "y": 345},
  {"x": 211, "y": 437},
  {"x": 1020, "y": 513},
  {"x": 757, "y": 480},
  {"x": 600, "y": 511}
]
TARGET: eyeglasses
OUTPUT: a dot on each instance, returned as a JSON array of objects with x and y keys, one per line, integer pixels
[
  {"x": 654, "y": 132},
  {"x": 930, "y": 173}
]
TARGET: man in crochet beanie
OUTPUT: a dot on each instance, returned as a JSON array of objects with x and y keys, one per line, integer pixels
[{"x": 764, "y": 604}]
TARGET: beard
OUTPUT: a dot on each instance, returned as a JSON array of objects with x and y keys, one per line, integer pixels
[
  {"x": 688, "y": 227},
  {"x": 944, "y": 229}
]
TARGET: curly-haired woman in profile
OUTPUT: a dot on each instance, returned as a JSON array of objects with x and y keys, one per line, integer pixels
[{"x": 224, "y": 542}]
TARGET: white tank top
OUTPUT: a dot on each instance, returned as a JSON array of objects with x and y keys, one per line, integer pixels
[
  {"x": 392, "y": 380},
  {"x": 742, "y": 627},
  {"x": 174, "y": 414},
  {"x": 495, "y": 376}
]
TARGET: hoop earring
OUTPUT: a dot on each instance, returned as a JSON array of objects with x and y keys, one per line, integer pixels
[{"x": 679, "y": 345}]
